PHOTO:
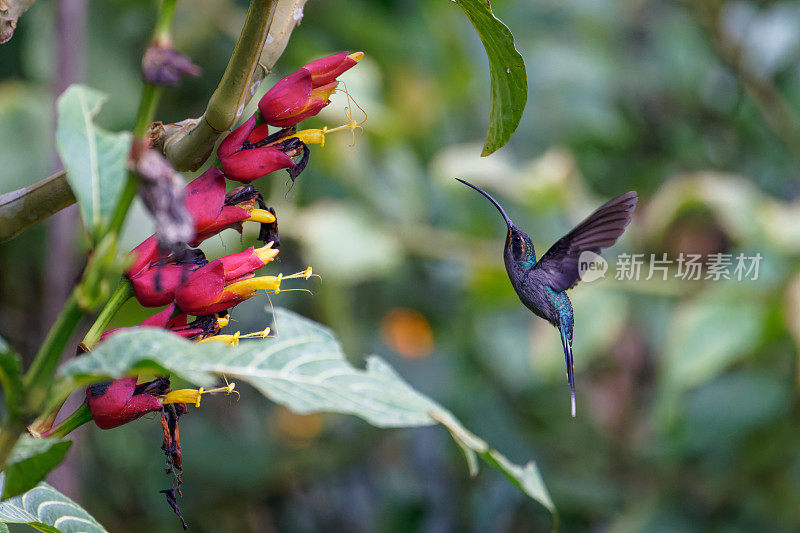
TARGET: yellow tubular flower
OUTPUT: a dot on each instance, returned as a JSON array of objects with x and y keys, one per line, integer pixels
[
  {"x": 194, "y": 395},
  {"x": 317, "y": 136},
  {"x": 246, "y": 288},
  {"x": 266, "y": 253},
  {"x": 233, "y": 340},
  {"x": 230, "y": 340},
  {"x": 259, "y": 215}
]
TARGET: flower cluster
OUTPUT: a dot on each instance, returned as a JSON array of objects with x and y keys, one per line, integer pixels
[
  {"x": 184, "y": 280},
  {"x": 198, "y": 293},
  {"x": 250, "y": 151}
]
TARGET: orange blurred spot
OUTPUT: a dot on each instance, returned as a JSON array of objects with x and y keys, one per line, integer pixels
[
  {"x": 297, "y": 431},
  {"x": 407, "y": 332}
]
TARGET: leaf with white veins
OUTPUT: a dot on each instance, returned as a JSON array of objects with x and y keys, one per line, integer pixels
[{"x": 303, "y": 368}]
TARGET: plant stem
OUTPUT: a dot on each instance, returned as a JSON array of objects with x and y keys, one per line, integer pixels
[
  {"x": 46, "y": 421},
  {"x": 121, "y": 295},
  {"x": 10, "y": 430},
  {"x": 81, "y": 415},
  {"x": 147, "y": 109},
  {"x": 36, "y": 382},
  {"x": 30, "y": 205},
  {"x": 188, "y": 151},
  {"x": 144, "y": 116},
  {"x": 161, "y": 32},
  {"x": 225, "y": 104},
  {"x": 125, "y": 201}
]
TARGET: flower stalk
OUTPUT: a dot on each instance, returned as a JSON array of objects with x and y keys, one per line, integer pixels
[
  {"x": 144, "y": 117},
  {"x": 121, "y": 295},
  {"x": 36, "y": 383},
  {"x": 81, "y": 416}
]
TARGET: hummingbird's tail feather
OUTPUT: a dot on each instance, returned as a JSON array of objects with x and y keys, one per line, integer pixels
[{"x": 566, "y": 342}]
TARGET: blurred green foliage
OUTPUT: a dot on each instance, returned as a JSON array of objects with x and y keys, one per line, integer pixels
[{"x": 687, "y": 390}]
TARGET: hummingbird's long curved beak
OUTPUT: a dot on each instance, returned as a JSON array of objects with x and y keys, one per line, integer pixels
[{"x": 499, "y": 208}]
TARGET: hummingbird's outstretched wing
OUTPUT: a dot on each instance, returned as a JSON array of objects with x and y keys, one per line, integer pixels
[{"x": 558, "y": 267}]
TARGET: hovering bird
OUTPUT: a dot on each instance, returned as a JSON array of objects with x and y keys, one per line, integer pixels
[{"x": 541, "y": 285}]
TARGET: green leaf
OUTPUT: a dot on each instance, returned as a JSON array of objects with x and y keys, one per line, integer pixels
[
  {"x": 31, "y": 460},
  {"x": 10, "y": 377},
  {"x": 303, "y": 368},
  {"x": 95, "y": 159},
  {"x": 507, "y": 72},
  {"x": 46, "y": 509},
  {"x": 526, "y": 478},
  {"x": 693, "y": 356}
]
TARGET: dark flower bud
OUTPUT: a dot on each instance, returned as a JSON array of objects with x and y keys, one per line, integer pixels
[{"x": 163, "y": 65}]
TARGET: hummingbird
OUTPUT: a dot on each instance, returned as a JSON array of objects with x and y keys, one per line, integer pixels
[{"x": 542, "y": 285}]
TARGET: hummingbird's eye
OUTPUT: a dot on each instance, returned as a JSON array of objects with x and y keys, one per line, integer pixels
[{"x": 518, "y": 247}]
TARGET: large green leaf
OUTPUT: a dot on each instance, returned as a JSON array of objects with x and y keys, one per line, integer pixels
[
  {"x": 30, "y": 461},
  {"x": 303, "y": 368},
  {"x": 46, "y": 509},
  {"x": 507, "y": 72},
  {"x": 10, "y": 377},
  {"x": 692, "y": 356},
  {"x": 95, "y": 159}
]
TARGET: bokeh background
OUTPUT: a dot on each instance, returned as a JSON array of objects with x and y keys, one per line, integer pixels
[{"x": 687, "y": 390}]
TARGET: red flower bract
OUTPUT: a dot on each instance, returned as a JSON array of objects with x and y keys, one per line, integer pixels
[
  {"x": 115, "y": 403},
  {"x": 243, "y": 160},
  {"x": 205, "y": 293},
  {"x": 212, "y": 211},
  {"x": 305, "y": 92},
  {"x": 202, "y": 294},
  {"x": 327, "y": 69},
  {"x": 162, "y": 319},
  {"x": 241, "y": 265},
  {"x": 205, "y": 201},
  {"x": 203, "y": 326},
  {"x": 144, "y": 254},
  {"x": 154, "y": 284},
  {"x": 294, "y": 99}
]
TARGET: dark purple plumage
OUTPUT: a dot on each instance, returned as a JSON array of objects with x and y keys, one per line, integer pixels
[{"x": 558, "y": 267}]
